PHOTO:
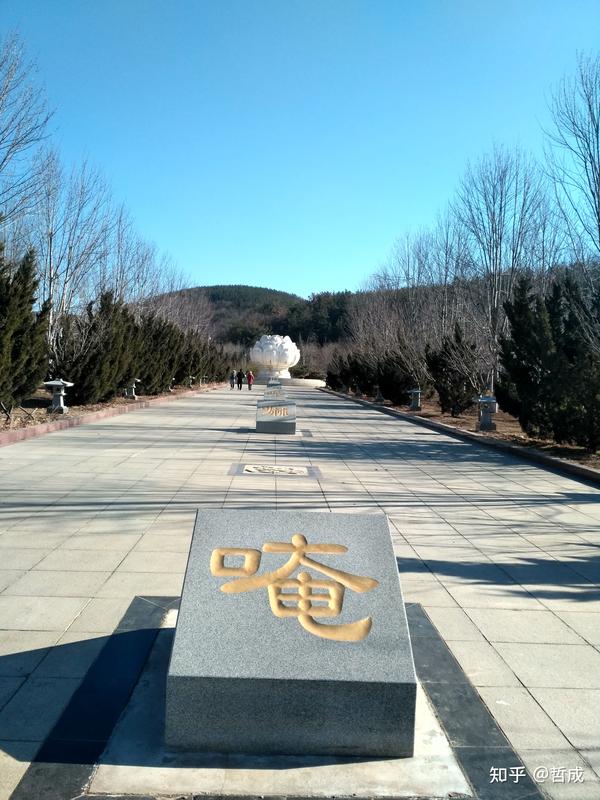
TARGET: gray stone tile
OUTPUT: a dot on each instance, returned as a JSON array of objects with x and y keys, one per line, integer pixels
[
  {"x": 8, "y": 687},
  {"x": 150, "y": 561},
  {"x": 522, "y": 625},
  {"x": 21, "y": 651},
  {"x": 575, "y": 711},
  {"x": 587, "y": 624},
  {"x": 102, "y": 541},
  {"x": 493, "y": 596},
  {"x": 523, "y": 721},
  {"x": 14, "y": 761},
  {"x": 32, "y": 712},
  {"x": 553, "y": 665},
  {"x": 129, "y": 584},
  {"x": 81, "y": 561},
  {"x": 20, "y": 557},
  {"x": 58, "y": 584},
  {"x": 427, "y": 593},
  {"x": 39, "y": 613},
  {"x": 164, "y": 542},
  {"x": 101, "y": 615},
  {"x": 561, "y": 760},
  {"x": 453, "y": 624},
  {"x": 31, "y": 541},
  {"x": 9, "y": 576},
  {"x": 72, "y": 656},
  {"x": 482, "y": 664}
]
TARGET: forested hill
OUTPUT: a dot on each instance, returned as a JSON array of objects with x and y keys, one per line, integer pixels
[{"x": 243, "y": 313}]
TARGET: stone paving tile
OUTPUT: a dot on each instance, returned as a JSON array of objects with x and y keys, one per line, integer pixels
[
  {"x": 8, "y": 577},
  {"x": 41, "y": 583},
  {"x": 33, "y": 710},
  {"x": 22, "y": 651},
  {"x": 72, "y": 655},
  {"x": 521, "y": 718},
  {"x": 482, "y": 664},
  {"x": 121, "y": 542},
  {"x": 149, "y": 561},
  {"x": 575, "y": 711},
  {"x": 553, "y": 665},
  {"x": 587, "y": 624},
  {"x": 8, "y": 687},
  {"x": 427, "y": 594},
  {"x": 493, "y": 596},
  {"x": 557, "y": 762},
  {"x": 80, "y": 560},
  {"x": 504, "y": 625},
  {"x": 166, "y": 541},
  {"x": 100, "y": 615},
  {"x": 130, "y": 584},
  {"x": 33, "y": 541},
  {"x": 14, "y": 761},
  {"x": 39, "y": 613},
  {"x": 21, "y": 558},
  {"x": 453, "y": 624}
]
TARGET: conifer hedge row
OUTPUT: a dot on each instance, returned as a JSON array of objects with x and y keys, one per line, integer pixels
[
  {"x": 551, "y": 363},
  {"x": 550, "y": 366},
  {"x": 23, "y": 350},
  {"x": 100, "y": 351}
]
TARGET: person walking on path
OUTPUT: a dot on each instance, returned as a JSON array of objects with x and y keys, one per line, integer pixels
[
  {"x": 250, "y": 379},
  {"x": 240, "y": 379},
  {"x": 232, "y": 379}
]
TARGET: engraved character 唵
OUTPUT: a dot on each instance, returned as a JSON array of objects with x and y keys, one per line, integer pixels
[{"x": 304, "y": 598}]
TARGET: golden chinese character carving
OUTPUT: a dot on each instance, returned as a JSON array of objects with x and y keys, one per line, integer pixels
[
  {"x": 311, "y": 598},
  {"x": 276, "y": 411}
]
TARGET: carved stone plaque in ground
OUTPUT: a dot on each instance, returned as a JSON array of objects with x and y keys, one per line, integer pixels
[
  {"x": 291, "y": 638},
  {"x": 274, "y": 469},
  {"x": 275, "y": 416}
]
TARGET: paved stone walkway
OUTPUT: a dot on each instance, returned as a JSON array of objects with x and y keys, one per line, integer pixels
[{"x": 503, "y": 555}]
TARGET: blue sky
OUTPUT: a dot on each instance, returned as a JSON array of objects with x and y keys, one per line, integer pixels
[{"x": 287, "y": 144}]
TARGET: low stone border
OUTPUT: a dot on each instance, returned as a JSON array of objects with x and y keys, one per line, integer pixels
[
  {"x": 22, "y": 434},
  {"x": 526, "y": 453}
]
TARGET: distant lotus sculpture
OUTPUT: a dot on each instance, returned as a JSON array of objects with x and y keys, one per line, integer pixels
[{"x": 274, "y": 355}]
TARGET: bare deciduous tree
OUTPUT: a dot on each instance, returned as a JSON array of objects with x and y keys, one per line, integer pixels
[
  {"x": 574, "y": 151},
  {"x": 497, "y": 204},
  {"x": 72, "y": 228},
  {"x": 23, "y": 121}
]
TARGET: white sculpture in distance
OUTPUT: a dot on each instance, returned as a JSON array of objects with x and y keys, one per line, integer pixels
[{"x": 274, "y": 355}]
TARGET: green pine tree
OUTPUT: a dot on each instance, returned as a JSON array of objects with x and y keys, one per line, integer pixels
[{"x": 23, "y": 352}]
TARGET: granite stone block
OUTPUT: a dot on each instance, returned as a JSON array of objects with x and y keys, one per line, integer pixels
[
  {"x": 275, "y": 393},
  {"x": 314, "y": 659},
  {"x": 276, "y": 416}
]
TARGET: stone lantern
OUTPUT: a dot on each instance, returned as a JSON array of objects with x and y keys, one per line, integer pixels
[
  {"x": 274, "y": 356},
  {"x": 130, "y": 390},
  {"x": 487, "y": 407},
  {"x": 415, "y": 399},
  {"x": 57, "y": 387}
]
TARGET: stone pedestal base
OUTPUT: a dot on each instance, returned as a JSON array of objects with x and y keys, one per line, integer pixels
[
  {"x": 275, "y": 416},
  {"x": 266, "y": 375},
  {"x": 486, "y": 425},
  {"x": 255, "y": 669}
]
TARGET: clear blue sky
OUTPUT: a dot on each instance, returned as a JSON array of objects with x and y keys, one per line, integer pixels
[{"x": 287, "y": 144}]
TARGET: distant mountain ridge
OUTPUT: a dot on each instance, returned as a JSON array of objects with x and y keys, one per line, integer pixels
[{"x": 242, "y": 313}]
